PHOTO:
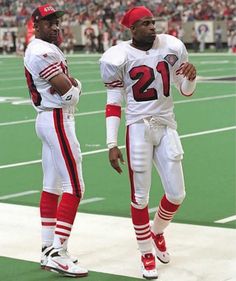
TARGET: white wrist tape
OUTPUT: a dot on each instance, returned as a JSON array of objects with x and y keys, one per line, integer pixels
[
  {"x": 79, "y": 86},
  {"x": 112, "y": 127},
  {"x": 187, "y": 87},
  {"x": 71, "y": 97}
]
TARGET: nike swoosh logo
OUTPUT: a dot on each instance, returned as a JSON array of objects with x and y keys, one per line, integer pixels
[
  {"x": 161, "y": 242},
  {"x": 148, "y": 262},
  {"x": 65, "y": 267}
]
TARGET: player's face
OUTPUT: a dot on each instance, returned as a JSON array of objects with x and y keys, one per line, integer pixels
[
  {"x": 144, "y": 30},
  {"x": 48, "y": 29}
]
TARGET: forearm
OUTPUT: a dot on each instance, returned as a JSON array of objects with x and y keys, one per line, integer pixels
[
  {"x": 187, "y": 87},
  {"x": 113, "y": 115}
]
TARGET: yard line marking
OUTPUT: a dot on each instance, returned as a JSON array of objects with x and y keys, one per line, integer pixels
[
  {"x": 18, "y": 194},
  {"x": 214, "y": 62},
  {"x": 20, "y": 164},
  {"x": 23, "y": 78},
  {"x": 206, "y": 98},
  {"x": 91, "y": 200},
  {"x": 208, "y": 132},
  {"x": 103, "y": 111},
  {"x": 122, "y": 146},
  {"x": 225, "y": 220},
  {"x": 17, "y": 122},
  {"x": 215, "y": 70}
]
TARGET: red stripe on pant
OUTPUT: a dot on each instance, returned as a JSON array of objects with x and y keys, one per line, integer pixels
[
  {"x": 66, "y": 151},
  {"x": 131, "y": 174}
]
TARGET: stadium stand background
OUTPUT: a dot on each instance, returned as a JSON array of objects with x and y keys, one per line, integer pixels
[{"x": 93, "y": 26}]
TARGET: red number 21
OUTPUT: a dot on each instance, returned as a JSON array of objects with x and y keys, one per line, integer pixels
[{"x": 145, "y": 76}]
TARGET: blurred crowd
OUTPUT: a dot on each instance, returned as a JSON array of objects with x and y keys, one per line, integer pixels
[
  {"x": 106, "y": 15},
  {"x": 17, "y": 12}
]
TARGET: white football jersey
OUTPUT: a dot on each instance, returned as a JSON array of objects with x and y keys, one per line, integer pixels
[
  {"x": 42, "y": 62},
  {"x": 144, "y": 78}
]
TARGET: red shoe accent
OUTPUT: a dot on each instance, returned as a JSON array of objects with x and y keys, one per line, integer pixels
[
  {"x": 148, "y": 261},
  {"x": 160, "y": 242}
]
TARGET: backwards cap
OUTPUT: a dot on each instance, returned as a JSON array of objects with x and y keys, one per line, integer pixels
[
  {"x": 45, "y": 11},
  {"x": 135, "y": 14}
]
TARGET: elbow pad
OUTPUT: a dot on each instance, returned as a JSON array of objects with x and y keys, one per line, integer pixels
[
  {"x": 71, "y": 97},
  {"x": 187, "y": 87}
]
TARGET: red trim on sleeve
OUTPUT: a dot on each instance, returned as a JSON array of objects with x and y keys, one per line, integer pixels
[{"x": 113, "y": 110}]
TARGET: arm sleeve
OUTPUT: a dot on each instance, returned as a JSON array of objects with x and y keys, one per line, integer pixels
[{"x": 113, "y": 82}]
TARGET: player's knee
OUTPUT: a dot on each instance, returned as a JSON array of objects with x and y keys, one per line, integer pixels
[
  {"x": 140, "y": 203},
  {"x": 176, "y": 199},
  {"x": 52, "y": 190},
  {"x": 77, "y": 191}
]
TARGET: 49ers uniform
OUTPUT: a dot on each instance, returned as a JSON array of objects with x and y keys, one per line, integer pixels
[
  {"x": 143, "y": 80},
  {"x": 55, "y": 126}
]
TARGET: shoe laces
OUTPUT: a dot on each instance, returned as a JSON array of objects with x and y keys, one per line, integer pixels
[
  {"x": 159, "y": 240},
  {"x": 148, "y": 261}
]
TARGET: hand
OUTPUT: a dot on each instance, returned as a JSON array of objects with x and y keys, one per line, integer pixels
[
  {"x": 73, "y": 81},
  {"x": 114, "y": 156},
  {"x": 188, "y": 70}
]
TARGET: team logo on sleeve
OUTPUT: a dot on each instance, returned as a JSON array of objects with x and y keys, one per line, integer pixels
[{"x": 171, "y": 59}]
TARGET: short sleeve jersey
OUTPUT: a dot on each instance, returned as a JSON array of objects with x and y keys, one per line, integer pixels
[
  {"x": 42, "y": 62},
  {"x": 144, "y": 78}
]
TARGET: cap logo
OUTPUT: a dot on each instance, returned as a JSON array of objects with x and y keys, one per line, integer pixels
[{"x": 48, "y": 9}]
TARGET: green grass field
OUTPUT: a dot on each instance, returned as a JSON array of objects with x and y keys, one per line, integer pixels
[{"x": 206, "y": 124}]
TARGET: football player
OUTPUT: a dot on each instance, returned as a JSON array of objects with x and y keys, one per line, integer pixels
[
  {"x": 141, "y": 72},
  {"x": 54, "y": 95}
]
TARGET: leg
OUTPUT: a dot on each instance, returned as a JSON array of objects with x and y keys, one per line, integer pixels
[
  {"x": 167, "y": 159},
  {"x": 139, "y": 154},
  {"x": 49, "y": 196},
  {"x": 66, "y": 161}
]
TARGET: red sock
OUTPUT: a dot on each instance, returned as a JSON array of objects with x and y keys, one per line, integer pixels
[
  {"x": 48, "y": 213},
  {"x": 164, "y": 215},
  {"x": 140, "y": 218},
  {"x": 66, "y": 213}
]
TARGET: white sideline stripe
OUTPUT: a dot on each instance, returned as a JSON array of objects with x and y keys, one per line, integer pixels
[
  {"x": 122, "y": 146},
  {"x": 107, "y": 244},
  {"x": 225, "y": 220},
  {"x": 18, "y": 194},
  {"x": 102, "y": 111}
]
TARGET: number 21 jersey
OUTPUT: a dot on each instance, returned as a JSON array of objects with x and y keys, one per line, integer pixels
[{"x": 144, "y": 78}]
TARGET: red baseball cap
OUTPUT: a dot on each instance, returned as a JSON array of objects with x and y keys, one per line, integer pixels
[
  {"x": 45, "y": 11},
  {"x": 135, "y": 14}
]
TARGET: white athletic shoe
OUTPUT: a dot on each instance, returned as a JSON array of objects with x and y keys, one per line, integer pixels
[
  {"x": 149, "y": 266},
  {"x": 159, "y": 244},
  {"x": 60, "y": 262},
  {"x": 45, "y": 253}
]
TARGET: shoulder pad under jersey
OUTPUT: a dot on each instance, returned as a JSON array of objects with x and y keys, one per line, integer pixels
[
  {"x": 171, "y": 42},
  {"x": 40, "y": 47},
  {"x": 115, "y": 55}
]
